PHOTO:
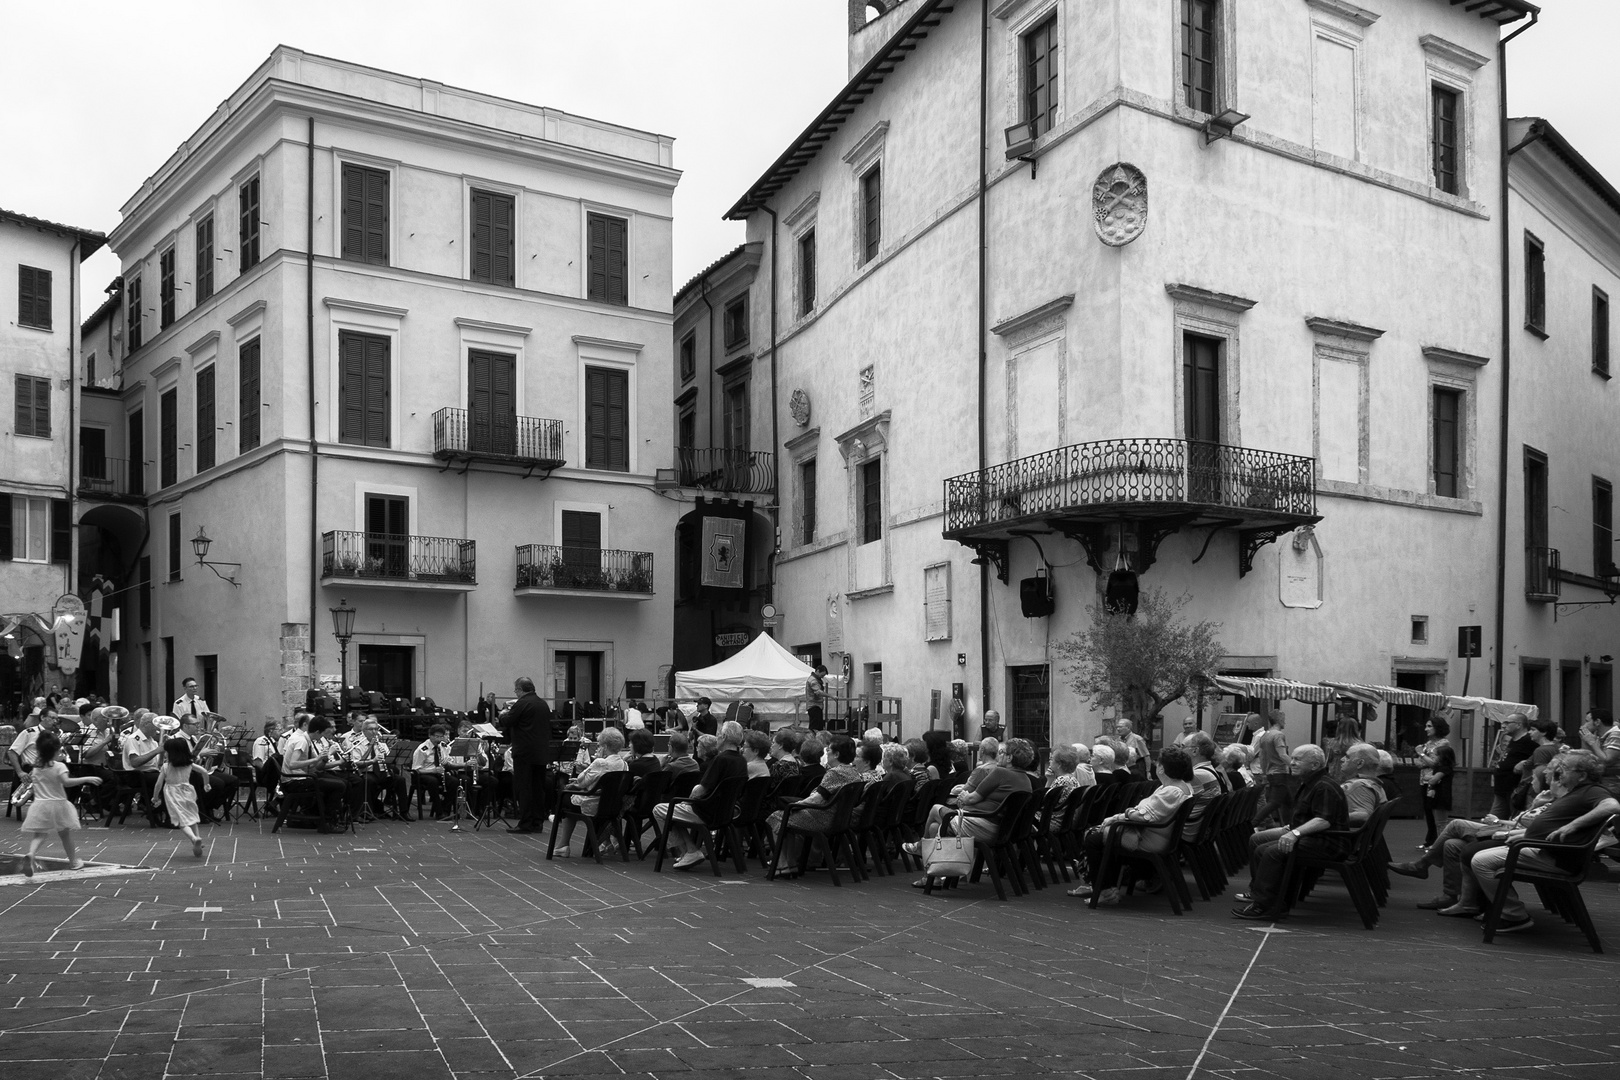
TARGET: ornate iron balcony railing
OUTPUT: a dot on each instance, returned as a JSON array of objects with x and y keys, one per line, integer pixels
[
  {"x": 469, "y": 433},
  {"x": 109, "y": 477},
  {"x": 399, "y": 557},
  {"x": 554, "y": 566},
  {"x": 1541, "y": 566},
  {"x": 1132, "y": 472},
  {"x": 720, "y": 469}
]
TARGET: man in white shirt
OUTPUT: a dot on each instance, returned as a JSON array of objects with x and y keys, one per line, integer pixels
[
  {"x": 1189, "y": 729},
  {"x": 189, "y": 703},
  {"x": 22, "y": 755},
  {"x": 428, "y": 770}
]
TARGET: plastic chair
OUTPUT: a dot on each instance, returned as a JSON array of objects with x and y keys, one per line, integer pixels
[
  {"x": 1197, "y": 848},
  {"x": 636, "y": 816},
  {"x": 1351, "y": 867},
  {"x": 825, "y": 842},
  {"x": 1560, "y": 893},
  {"x": 991, "y": 854},
  {"x": 748, "y": 819},
  {"x": 609, "y": 792},
  {"x": 1117, "y": 859},
  {"x": 714, "y": 813}
]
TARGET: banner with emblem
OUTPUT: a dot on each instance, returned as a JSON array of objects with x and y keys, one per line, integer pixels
[{"x": 723, "y": 544}]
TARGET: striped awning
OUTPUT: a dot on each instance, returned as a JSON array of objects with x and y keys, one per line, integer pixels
[
  {"x": 1494, "y": 710},
  {"x": 1376, "y": 693},
  {"x": 1273, "y": 689}
]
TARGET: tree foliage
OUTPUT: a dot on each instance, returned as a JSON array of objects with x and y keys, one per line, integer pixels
[{"x": 1141, "y": 663}]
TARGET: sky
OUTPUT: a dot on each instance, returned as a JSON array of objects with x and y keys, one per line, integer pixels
[{"x": 104, "y": 92}]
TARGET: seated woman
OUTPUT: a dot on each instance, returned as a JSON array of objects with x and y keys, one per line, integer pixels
[
  {"x": 917, "y": 750},
  {"x": 609, "y": 758},
  {"x": 808, "y": 813},
  {"x": 1207, "y": 776},
  {"x": 756, "y": 751},
  {"x": 1144, "y": 827},
  {"x": 869, "y": 761},
  {"x": 642, "y": 760},
  {"x": 1234, "y": 760},
  {"x": 784, "y": 759},
  {"x": 976, "y": 807},
  {"x": 1104, "y": 768}
]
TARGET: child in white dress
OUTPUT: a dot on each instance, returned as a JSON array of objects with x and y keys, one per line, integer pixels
[
  {"x": 174, "y": 783},
  {"x": 50, "y": 810}
]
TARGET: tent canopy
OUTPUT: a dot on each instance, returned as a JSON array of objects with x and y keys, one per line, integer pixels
[{"x": 762, "y": 673}]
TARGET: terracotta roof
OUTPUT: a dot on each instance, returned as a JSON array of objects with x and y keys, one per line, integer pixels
[
  {"x": 803, "y": 149},
  {"x": 89, "y": 239},
  {"x": 707, "y": 270},
  {"x": 1525, "y": 130}
]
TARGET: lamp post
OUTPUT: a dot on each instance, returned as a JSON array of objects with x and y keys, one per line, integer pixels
[{"x": 343, "y": 630}]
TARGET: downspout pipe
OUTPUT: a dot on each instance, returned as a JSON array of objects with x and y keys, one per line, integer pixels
[
  {"x": 309, "y": 357},
  {"x": 979, "y": 344},
  {"x": 703, "y": 294},
  {"x": 1503, "y": 152},
  {"x": 73, "y": 420},
  {"x": 776, "y": 446}
]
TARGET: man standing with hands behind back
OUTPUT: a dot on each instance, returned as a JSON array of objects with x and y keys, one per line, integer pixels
[{"x": 526, "y": 723}]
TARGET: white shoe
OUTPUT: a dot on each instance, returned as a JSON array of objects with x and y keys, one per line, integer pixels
[{"x": 691, "y": 859}]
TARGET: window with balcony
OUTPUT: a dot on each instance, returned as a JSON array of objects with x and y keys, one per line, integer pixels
[
  {"x": 1446, "y": 452},
  {"x": 168, "y": 438},
  {"x": 1535, "y": 286},
  {"x": 1201, "y": 387},
  {"x": 247, "y": 239},
  {"x": 1541, "y": 562},
  {"x": 205, "y": 418},
  {"x": 1200, "y": 54},
  {"x": 492, "y": 402},
  {"x": 581, "y": 542},
  {"x": 365, "y": 215},
  {"x": 735, "y": 323},
  {"x": 686, "y": 437},
  {"x": 607, "y": 265},
  {"x": 247, "y": 406},
  {"x": 1602, "y": 527},
  {"x": 33, "y": 297},
  {"x": 607, "y": 419},
  {"x": 494, "y": 217},
  {"x": 1040, "y": 75},
  {"x": 364, "y": 389},
  {"x": 31, "y": 415},
  {"x": 203, "y": 273},
  {"x": 166, "y": 289},
  {"x": 734, "y": 415},
  {"x": 388, "y": 528}
]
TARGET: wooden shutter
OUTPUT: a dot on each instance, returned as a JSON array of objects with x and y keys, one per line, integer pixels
[
  {"x": 377, "y": 217},
  {"x": 482, "y": 267},
  {"x": 203, "y": 272},
  {"x": 5, "y": 527},
  {"x": 168, "y": 438},
  {"x": 61, "y": 531},
  {"x": 42, "y": 407},
  {"x": 137, "y": 454},
  {"x": 607, "y": 419},
  {"x": 377, "y": 391},
  {"x": 365, "y": 215},
  {"x": 34, "y": 297},
  {"x": 491, "y": 402},
  {"x": 503, "y": 224},
  {"x": 363, "y": 389},
  {"x": 205, "y": 419},
  {"x": 23, "y": 411},
  {"x": 607, "y": 267},
  {"x": 247, "y": 421},
  {"x": 582, "y": 540},
  {"x": 132, "y": 297}
]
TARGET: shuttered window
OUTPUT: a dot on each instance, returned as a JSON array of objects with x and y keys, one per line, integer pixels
[
  {"x": 247, "y": 407},
  {"x": 247, "y": 201},
  {"x": 807, "y": 272},
  {"x": 1600, "y": 331},
  {"x": 364, "y": 390},
  {"x": 168, "y": 439},
  {"x": 582, "y": 540},
  {"x": 205, "y": 418},
  {"x": 132, "y": 313},
  {"x": 34, "y": 530},
  {"x": 607, "y": 419},
  {"x": 871, "y": 213},
  {"x": 492, "y": 402},
  {"x": 688, "y": 356},
  {"x": 137, "y": 452},
  {"x": 1602, "y": 527},
  {"x": 735, "y": 322},
  {"x": 32, "y": 415},
  {"x": 61, "y": 532},
  {"x": 203, "y": 274},
  {"x": 1535, "y": 285},
  {"x": 5, "y": 527},
  {"x": 365, "y": 215},
  {"x": 166, "y": 289},
  {"x": 174, "y": 547},
  {"x": 607, "y": 270},
  {"x": 34, "y": 297},
  {"x": 493, "y": 218}
]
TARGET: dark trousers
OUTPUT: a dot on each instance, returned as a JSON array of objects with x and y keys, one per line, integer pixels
[
  {"x": 818, "y": 720},
  {"x": 1278, "y": 798},
  {"x": 329, "y": 791},
  {"x": 529, "y": 782},
  {"x": 441, "y": 789}
]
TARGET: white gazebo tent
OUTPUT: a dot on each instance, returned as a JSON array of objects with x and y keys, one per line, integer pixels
[{"x": 762, "y": 673}]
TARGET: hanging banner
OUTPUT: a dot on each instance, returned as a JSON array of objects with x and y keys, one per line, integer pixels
[
  {"x": 724, "y": 541},
  {"x": 68, "y": 629}
]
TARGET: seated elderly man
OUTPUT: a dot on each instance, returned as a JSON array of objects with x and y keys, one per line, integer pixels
[
  {"x": 979, "y": 801},
  {"x": 989, "y": 758},
  {"x": 1105, "y": 766},
  {"x": 1362, "y": 792},
  {"x": 1207, "y": 776},
  {"x": 1318, "y": 807},
  {"x": 725, "y": 763},
  {"x": 1582, "y": 805}
]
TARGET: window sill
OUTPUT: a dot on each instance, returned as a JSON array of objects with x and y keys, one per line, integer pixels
[
  {"x": 26, "y": 435},
  {"x": 33, "y": 326},
  {"x": 1537, "y": 331}
]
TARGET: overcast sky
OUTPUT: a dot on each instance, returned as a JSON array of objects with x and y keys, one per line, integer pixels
[{"x": 97, "y": 95}]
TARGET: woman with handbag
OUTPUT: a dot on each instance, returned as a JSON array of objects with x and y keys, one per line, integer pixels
[
  {"x": 1143, "y": 826},
  {"x": 974, "y": 814}
]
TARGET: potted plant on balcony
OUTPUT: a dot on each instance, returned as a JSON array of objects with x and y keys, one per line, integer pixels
[
  {"x": 639, "y": 579},
  {"x": 345, "y": 566}
]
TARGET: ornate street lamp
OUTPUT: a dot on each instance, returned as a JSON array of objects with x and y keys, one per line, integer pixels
[
  {"x": 343, "y": 630},
  {"x": 199, "y": 544}
]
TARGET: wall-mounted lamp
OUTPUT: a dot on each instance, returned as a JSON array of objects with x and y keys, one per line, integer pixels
[
  {"x": 1222, "y": 125},
  {"x": 1021, "y": 144},
  {"x": 199, "y": 544}
]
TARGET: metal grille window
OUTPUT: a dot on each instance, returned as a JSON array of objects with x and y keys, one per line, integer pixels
[
  {"x": 204, "y": 271},
  {"x": 1600, "y": 331},
  {"x": 1040, "y": 76},
  {"x": 247, "y": 201},
  {"x": 205, "y": 419},
  {"x": 132, "y": 313},
  {"x": 736, "y": 322},
  {"x": 166, "y": 289},
  {"x": 493, "y": 215},
  {"x": 168, "y": 438},
  {"x": 807, "y": 272},
  {"x": 872, "y": 501},
  {"x": 1602, "y": 527},
  {"x": 1447, "y": 453},
  {"x": 247, "y": 381},
  {"x": 807, "y": 501},
  {"x": 33, "y": 297},
  {"x": 1535, "y": 285},
  {"x": 871, "y": 213},
  {"x": 1031, "y": 703},
  {"x": 1443, "y": 138},
  {"x": 1199, "y": 54},
  {"x": 32, "y": 413}
]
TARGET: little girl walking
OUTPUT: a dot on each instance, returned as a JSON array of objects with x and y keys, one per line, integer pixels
[
  {"x": 174, "y": 781},
  {"x": 51, "y": 811}
]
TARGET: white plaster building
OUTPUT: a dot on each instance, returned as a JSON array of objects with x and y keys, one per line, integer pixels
[
  {"x": 39, "y": 340},
  {"x": 1238, "y": 284},
  {"x": 403, "y": 344}
]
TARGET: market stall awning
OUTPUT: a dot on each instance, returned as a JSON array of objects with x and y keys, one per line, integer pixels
[
  {"x": 1377, "y": 694},
  {"x": 1494, "y": 710},
  {"x": 1273, "y": 689}
]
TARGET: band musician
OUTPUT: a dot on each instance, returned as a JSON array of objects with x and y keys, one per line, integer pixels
[
  {"x": 375, "y": 784},
  {"x": 430, "y": 769},
  {"x": 527, "y": 726}
]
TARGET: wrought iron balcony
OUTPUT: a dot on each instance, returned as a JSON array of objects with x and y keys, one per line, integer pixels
[
  {"x": 399, "y": 560},
  {"x": 1161, "y": 485},
  {"x": 110, "y": 478},
  {"x": 717, "y": 468},
  {"x": 475, "y": 435},
  {"x": 553, "y": 569},
  {"x": 1541, "y": 574}
]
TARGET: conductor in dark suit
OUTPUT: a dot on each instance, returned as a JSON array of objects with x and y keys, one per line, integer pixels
[{"x": 527, "y": 726}]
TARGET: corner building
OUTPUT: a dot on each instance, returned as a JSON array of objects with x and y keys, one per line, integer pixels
[
  {"x": 1234, "y": 328},
  {"x": 389, "y": 341}
]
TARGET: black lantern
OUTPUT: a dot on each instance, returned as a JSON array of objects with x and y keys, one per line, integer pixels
[
  {"x": 200, "y": 544},
  {"x": 343, "y": 630}
]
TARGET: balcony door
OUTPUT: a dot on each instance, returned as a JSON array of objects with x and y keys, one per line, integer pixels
[
  {"x": 582, "y": 543},
  {"x": 388, "y": 525},
  {"x": 578, "y": 683},
  {"x": 734, "y": 430},
  {"x": 492, "y": 402},
  {"x": 1201, "y": 397}
]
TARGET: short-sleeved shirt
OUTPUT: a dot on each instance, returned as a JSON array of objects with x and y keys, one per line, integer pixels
[
  {"x": 1270, "y": 752},
  {"x": 1320, "y": 797},
  {"x": 1561, "y": 812},
  {"x": 23, "y": 746},
  {"x": 1362, "y": 796},
  {"x": 1611, "y": 769},
  {"x": 137, "y": 743},
  {"x": 995, "y": 786},
  {"x": 723, "y": 766}
]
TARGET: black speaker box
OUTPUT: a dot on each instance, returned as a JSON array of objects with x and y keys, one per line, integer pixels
[
  {"x": 1035, "y": 596},
  {"x": 1120, "y": 594}
]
